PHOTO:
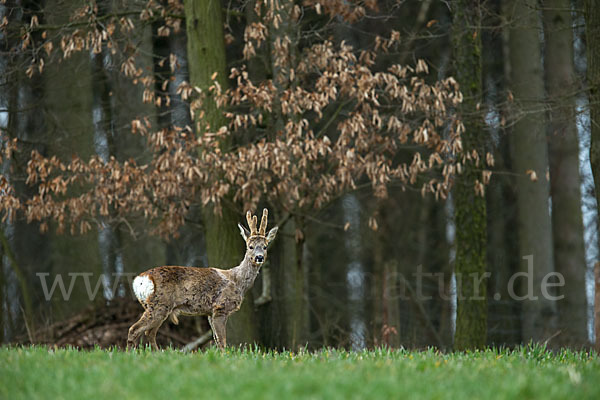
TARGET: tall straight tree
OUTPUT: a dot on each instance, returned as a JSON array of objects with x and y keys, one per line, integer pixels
[
  {"x": 206, "y": 56},
  {"x": 70, "y": 130},
  {"x": 504, "y": 322},
  {"x": 592, "y": 32},
  {"x": 27, "y": 124},
  {"x": 2, "y": 289},
  {"x": 565, "y": 180},
  {"x": 470, "y": 209},
  {"x": 291, "y": 275},
  {"x": 530, "y": 163}
]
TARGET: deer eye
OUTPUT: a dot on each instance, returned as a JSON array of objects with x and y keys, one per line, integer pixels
[
  {"x": 264, "y": 247},
  {"x": 251, "y": 247}
]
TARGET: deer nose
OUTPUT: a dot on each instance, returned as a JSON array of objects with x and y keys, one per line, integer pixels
[{"x": 259, "y": 259}]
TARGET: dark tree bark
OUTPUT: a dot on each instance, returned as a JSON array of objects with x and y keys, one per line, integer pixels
[
  {"x": 290, "y": 280},
  {"x": 529, "y": 150},
  {"x": 470, "y": 208},
  {"x": 189, "y": 248},
  {"x": 597, "y": 304},
  {"x": 2, "y": 290},
  {"x": 592, "y": 31},
  {"x": 504, "y": 322},
  {"x": 504, "y": 313},
  {"x": 70, "y": 129},
  {"x": 565, "y": 180},
  {"x": 290, "y": 275},
  {"x": 27, "y": 124},
  {"x": 109, "y": 238}
]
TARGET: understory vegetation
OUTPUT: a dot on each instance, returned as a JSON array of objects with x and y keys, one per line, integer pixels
[{"x": 526, "y": 372}]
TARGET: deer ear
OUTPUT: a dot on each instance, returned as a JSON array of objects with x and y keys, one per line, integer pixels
[
  {"x": 271, "y": 234},
  {"x": 244, "y": 232}
]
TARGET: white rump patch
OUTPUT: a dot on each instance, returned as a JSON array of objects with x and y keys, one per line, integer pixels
[{"x": 142, "y": 287}]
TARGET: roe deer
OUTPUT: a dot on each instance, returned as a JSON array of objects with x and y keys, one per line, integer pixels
[{"x": 217, "y": 293}]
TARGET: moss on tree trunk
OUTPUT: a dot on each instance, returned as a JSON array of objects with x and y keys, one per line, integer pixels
[{"x": 470, "y": 208}]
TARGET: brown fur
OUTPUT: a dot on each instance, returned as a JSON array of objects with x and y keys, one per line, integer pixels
[{"x": 213, "y": 292}]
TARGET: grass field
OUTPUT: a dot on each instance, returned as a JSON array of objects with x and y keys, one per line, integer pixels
[{"x": 530, "y": 372}]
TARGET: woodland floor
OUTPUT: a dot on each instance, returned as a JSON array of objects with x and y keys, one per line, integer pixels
[
  {"x": 528, "y": 372},
  {"x": 105, "y": 325}
]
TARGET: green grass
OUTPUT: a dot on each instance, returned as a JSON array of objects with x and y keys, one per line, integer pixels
[{"x": 529, "y": 372}]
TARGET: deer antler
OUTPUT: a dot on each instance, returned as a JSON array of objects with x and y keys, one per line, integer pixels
[
  {"x": 251, "y": 223},
  {"x": 252, "y": 220},
  {"x": 263, "y": 223}
]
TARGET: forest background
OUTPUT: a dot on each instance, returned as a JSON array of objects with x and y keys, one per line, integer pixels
[{"x": 430, "y": 165}]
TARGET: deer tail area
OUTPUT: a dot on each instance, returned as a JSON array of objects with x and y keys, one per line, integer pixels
[{"x": 143, "y": 287}]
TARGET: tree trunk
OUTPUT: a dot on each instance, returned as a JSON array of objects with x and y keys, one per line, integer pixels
[
  {"x": 2, "y": 289},
  {"x": 327, "y": 291},
  {"x": 391, "y": 309},
  {"x": 26, "y": 250},
  {"x": 290, "y": 282},
  {"x": 530, "y": 156},
  {"x": 597, "y": 304},
  {"x": 565, "y": 181},
  {"x": 442, "y": 270},
  {"x": 70, "y": 130},
  {"x": 189, "y": 247},
  {"x": 380, "y": 318},
  {"x": 431, "y": 305},
  {"x": 109, "y": 237},
  {"x": 292, "y": 277},
  {"x": 355, "y": 272},
  {"x": 592, "y": 32},
  {"x": 137, "y": 252},
  {"x": 504, "y": 312},
  {"x": 206, "y": 55},
  {"x": 504, "y": 322},
  {"x": 470, "y": 208}
]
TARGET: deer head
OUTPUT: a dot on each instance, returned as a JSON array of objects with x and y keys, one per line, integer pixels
[{"x": 257, "y": 240}]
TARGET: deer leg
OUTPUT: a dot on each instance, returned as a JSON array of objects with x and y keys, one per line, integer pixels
[
  {"x": 150, "y": 321},
  {"x": 137, "y": 329},
  {"x": 151, "y": 333},
  {"x": 218, "y": 324},
  {"x": 212, "y": 328}
]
